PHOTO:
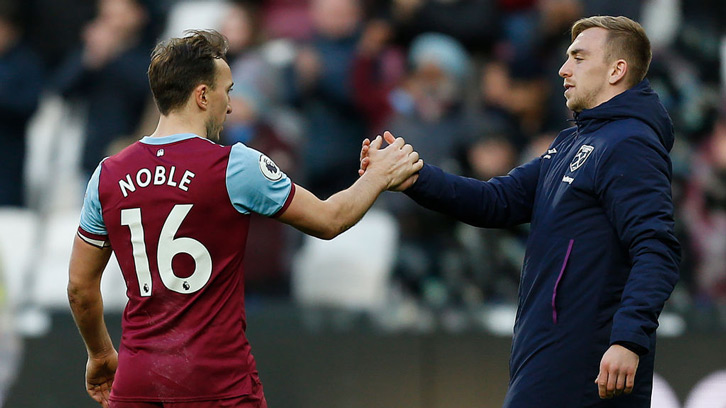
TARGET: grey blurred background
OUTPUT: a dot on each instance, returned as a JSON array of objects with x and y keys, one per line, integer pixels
[{"x": 408, "y": 308}]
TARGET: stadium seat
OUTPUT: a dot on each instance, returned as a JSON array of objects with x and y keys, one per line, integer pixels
[
  {"x": 189, "y": 15},
  {"x": 351, "y": 271},
  {"x": 49, "y": 289},
  {"x": 18, "y": 230}
]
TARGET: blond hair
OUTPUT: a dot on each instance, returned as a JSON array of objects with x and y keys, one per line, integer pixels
[{"x": 626, "y": 40}]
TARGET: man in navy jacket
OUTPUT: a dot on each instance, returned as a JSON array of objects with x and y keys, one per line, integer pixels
[{"x": 601, "y": 258}]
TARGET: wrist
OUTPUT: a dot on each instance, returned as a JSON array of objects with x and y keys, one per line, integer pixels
[{"x": 102, "y": 353}]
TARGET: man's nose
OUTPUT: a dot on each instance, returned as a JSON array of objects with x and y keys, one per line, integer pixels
[{"x": 564, "y": 71}]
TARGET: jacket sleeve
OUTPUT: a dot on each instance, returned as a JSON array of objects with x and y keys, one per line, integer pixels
[
  {"x": 500, "y": 202},
  {"x": 634, "y": 186}
]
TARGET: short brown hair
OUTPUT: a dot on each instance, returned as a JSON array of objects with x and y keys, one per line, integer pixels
[
  {"x": 626, "y": 39},
  {"x": 180, "y": 64}
]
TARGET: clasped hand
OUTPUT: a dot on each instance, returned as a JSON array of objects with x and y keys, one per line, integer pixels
[{"x": 398, "y": 160}]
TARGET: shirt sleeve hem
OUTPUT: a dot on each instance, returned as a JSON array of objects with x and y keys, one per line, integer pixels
[
  {"x": 287, "y": 201},
  {"x": 99, "y": 241}
]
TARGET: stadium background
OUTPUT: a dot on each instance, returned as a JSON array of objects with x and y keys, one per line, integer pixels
[{"x": 408, "y": 309}]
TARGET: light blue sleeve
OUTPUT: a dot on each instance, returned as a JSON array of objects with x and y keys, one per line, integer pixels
[
  {"x": 255, "y": 183},
  {"x": 91, "y": 215}
]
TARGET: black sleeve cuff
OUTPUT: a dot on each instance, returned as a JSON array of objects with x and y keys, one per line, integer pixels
[{"x": 635, "y": 348}]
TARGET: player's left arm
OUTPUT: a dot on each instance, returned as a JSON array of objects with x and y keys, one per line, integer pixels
[
  {"x": 634, "y": 187},
  {"x": 84, "y": 296}
]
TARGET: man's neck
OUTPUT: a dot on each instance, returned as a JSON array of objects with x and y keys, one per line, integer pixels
[{"x": 177, "y": 123}]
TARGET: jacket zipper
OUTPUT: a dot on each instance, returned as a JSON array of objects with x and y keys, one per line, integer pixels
[{"x": 557, "y": 282}]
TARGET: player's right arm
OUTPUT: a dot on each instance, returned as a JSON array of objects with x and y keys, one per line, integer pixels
[
  {"x": 84, "y": 295},
  {"x": 327, "y": 219},
  {"x": 89, "y": 257}
]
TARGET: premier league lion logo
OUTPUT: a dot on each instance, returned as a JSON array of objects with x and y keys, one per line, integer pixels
[
  {"x": 269, "y": 168},
  {"x": 580, "y": 157}
]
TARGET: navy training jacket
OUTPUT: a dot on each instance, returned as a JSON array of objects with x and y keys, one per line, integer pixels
[{"x": 601, "y": 257}]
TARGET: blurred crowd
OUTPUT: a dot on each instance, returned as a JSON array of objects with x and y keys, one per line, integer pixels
[{"x": 471, "y": 84}]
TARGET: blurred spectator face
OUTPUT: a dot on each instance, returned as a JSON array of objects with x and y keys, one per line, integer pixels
[
  {"x": 8, "y": 35},
  {"x": 496, "y": 84},
  {"x": 122, "y": 16},
  {"x": 336, "y": 18},
  {"x": 718, "y": 145},
  {"x": 586, "y": 71},
  {"x": 491, "y": 157},
  {"x": 239, "y": 28},
  {"x": 433, "y": 91}
]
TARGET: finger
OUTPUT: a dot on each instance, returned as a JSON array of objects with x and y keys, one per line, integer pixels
[
  {"x": 364, "y": 163},
  {"x": 612, "y": 378},
  {"x": 620, "y": 384},
  {"x": 376, "y": 143},
  {"x": 629, "y": 383},
  {"x": 388, "y": 136},
  {"x": 364, "y": 148},
  {"x": 601, "y": 382},
  {"x": 413, "y": 157},
  {"x": 418, "y": 165},
  {"x": 407, "y": 149}
]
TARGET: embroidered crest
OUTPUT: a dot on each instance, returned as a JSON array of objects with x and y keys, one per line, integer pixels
[
  {"x": 269, "y": 169},
  {"x": 580, "y": 157}
]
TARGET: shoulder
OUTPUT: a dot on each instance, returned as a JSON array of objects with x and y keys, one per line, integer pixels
[{"x": 625, "y": 131}]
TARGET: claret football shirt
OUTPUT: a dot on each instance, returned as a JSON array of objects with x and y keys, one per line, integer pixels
[{"x": 175, "y": 210}]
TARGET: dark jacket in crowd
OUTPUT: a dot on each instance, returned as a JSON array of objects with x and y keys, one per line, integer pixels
[
  {"x": 601, "y": 258},
  {"x": 116, "y": 95},
  {"x": 21, "y": 82}
]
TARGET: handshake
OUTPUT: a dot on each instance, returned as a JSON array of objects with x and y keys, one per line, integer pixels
[{"x": 397, "y": 165}]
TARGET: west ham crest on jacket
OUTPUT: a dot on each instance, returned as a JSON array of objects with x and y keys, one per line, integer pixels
[{"x": 581, "y": 156}]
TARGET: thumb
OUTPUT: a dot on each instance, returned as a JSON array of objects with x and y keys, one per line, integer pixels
[
  {"x": 389, "y": 137},
  {"x": 376, "y": 143}
]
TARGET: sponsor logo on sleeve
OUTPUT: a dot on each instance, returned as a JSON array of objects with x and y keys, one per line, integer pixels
[
  {"x": 269, "y": 169},
  {"x": 580, "y": 157}
]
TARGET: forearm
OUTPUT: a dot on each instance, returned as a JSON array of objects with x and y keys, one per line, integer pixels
[
  {"x": 500, "y": 202},
  {"x": 87, "y": 308},
  {"x": 652, "y": 278},
  {"x": 84, "y": 295},
  {"x": 347, "y": 207}
]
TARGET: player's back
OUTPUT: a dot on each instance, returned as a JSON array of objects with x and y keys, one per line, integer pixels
[{"x": 180, "y": 244}]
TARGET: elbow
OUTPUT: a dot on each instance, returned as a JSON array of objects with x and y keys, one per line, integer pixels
[
  {"x": 330, "y": 231},
  {"x": 75, "y": 297},
  {"x": 79, "y": 297}
]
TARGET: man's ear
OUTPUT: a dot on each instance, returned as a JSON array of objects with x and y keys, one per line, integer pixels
[
  {"x": 618, "y": 71},
  {"x": 201, "y": 93}
]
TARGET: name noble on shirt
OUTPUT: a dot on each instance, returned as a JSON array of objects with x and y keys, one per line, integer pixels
[{"x": 160, "y": 176}]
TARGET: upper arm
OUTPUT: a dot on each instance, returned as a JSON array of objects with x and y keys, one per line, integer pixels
[
  {"x": 255, "y": 183},
  {"x": 634, "y": 185},
  {"x": 87, "y": 265}
]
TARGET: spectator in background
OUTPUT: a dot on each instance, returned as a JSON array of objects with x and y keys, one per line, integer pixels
[
  {"x": 108, "y": 74},
  {"x": 494, "y": 256},
  {"x": 427, "y": 108},
  {"x": 474, "y": 23},
  {"x": 318, "y": 82},
  {"x": 705, "y": 213},
  {"x": 21, "y": 81}
]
